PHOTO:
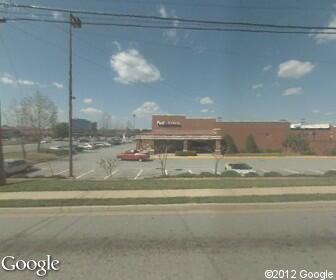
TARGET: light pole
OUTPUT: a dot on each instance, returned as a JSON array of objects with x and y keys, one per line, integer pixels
[
  {"x": 134, "y": 116},
  {"x": 2, "y": 163},
  {"x": 74, "y": 22}
]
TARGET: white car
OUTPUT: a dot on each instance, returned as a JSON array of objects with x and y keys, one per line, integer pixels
[
  {"x": 86, "y": 146},
  {"x": 241, "y": 168},
  {"x": 15, "y": 166}
]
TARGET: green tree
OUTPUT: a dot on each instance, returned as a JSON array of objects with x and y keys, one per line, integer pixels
[
  {"x": 250, "y": 144},
  {"x": 296, "y": 142},
  {"x": 230, "y": 146},
  {"x": 61, "y": 130}
]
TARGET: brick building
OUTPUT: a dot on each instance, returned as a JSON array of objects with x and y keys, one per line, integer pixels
[
  {"x": 206, "y": 135},
  {"x": 179, "y": 133}
]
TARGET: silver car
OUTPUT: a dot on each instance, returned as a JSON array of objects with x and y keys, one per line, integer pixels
[{"x": 16, "y": 166}]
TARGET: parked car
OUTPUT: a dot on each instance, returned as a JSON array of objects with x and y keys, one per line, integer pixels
[
  {"x": 241, "y": 168},
  {"x": 16, "y": 166},
  {"x": 134, "y": 155},
  {"x": 102, "y": 144},
  {"x": 115, "y": 141},
  {"x": 86, "y": 146}
]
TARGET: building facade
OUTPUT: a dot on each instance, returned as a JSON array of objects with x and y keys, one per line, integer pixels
[
  {"x": 179, "y": 133},
  {"x": 83, "y": 127}
]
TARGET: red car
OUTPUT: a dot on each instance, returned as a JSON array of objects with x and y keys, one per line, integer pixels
[{"x": 134, "y": 155}]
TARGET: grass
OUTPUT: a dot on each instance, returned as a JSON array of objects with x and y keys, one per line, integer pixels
[
  {"x": 16, "y": 185},
  {"x": 173, "y": 200}
]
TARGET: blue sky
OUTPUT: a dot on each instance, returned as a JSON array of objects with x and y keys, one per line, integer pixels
[{"x": 237, "y": 76}]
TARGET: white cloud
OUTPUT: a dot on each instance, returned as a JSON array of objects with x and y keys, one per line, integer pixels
[
  {"x": 91, "y": 110},
  {"x": 256, "y": 86},
  {"x": 57, "y": 85},
  {"x": 7, "y": 80},
  {"x": 57, "y": 15},
  {"x": 293, "y": 91},
  {"x": 206, "y": 100},
  {"x": 329, "y": 113},
  {"x": 26, "y": 82},
  {"x": 132, "y": 67},
  {"x": 324, "y": 38},
  {"x": 147, "y": 109},
  {"x": 267, "y": 67},
  {"x": 170, "y": 34},
  {"x": 295, "y": 68},
  {"x": 87, "y": 100},
  {"x": 316, "y": 111},
  {"x": 204, "y": 110}
]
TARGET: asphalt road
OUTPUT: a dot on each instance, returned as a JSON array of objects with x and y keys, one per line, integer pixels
[{"x": 154, "y": 245}]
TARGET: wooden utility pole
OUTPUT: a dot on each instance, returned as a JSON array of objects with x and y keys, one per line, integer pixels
[
  {"x": 74, "y": 22},
  {"x": 2, "y": 163}
]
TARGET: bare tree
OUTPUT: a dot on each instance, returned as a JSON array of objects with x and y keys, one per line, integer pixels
[
  {"x": 105, "y": 121},
  {"x": 40, "y": 113},
  {"x": 217, "y": 158},
  {"x": 162, "y": 151},
  {"x": 109, "y": 165}
]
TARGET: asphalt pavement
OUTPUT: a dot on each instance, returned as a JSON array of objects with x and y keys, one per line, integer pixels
[
  {"x": 240, "y": 243},
  {"x": 86, "y": 165}
]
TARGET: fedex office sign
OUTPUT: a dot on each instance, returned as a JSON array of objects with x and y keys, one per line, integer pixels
[{"x": 168, "y": 124}]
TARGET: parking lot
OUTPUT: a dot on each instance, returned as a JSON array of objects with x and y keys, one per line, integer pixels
[{"x": 86, "y": 165}]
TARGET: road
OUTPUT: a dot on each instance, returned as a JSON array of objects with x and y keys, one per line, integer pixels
[
  {"x": 86, "y": 165},
  {"x": 236, "y": 243}
]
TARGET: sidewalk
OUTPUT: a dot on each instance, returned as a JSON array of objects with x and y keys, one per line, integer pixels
[{"x": 165, "y": 193}]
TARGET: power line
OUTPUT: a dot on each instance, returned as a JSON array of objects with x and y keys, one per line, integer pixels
[
  {"x": 170, "y": 19},
  {"x": 218, "y": 29}
]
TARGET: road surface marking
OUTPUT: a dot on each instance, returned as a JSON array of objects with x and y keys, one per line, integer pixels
[
  {"x": 108, "y": 176},
  {"x": 139, "y": 173},
  {"x": 292, "y": 171},
  {"x": 316, "y": 171},
  {"x": 84, "y": 174},
  {"x": 190, "y": 171},
  {"x": 61, "y": 172}
]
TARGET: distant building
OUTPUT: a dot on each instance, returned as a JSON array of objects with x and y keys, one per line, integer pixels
[{"x": 83, "y": 127}]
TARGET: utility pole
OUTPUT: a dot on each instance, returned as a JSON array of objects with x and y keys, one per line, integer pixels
[
  {"x": 74, "y": 22},
  {"x": 2, "y": 163},
  {"x": 134, "y": 116}
]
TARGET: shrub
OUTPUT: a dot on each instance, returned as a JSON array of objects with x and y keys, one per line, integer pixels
[
  {"x": 272, "y": 174},
  {"x": 330, "y": 173},
  {"x": 207, "y": 174},
  {"x": 250, "y": 145},
  {"x": 230, "y": 146},
  {"x": 297, "y": 143},
  {"x": 185, "y": 153},
  {"x": 230, "y": 173},
  {"x": 186, "y": 175},
  {"x": 251, "y": 174}
]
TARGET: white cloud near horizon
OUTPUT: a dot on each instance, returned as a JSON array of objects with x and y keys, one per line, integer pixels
[
  {"x": 292, "y": 91},
  {"x": 204, "y": 110},
  {"x": 87, "y": 100},
  {"x": 207, "y": 100},
  {"x": 58, "y": 85},
  {"x": 132, "y": 67},
  {"x": 294, "y": 69},
  {"x": 91, "y": 111},
  {"x": 147, "y": 109}
]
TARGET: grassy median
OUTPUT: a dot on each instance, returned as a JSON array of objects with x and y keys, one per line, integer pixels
[
  {"x": 172, "y": 200},
  {"x": 16, "y": 185}
]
